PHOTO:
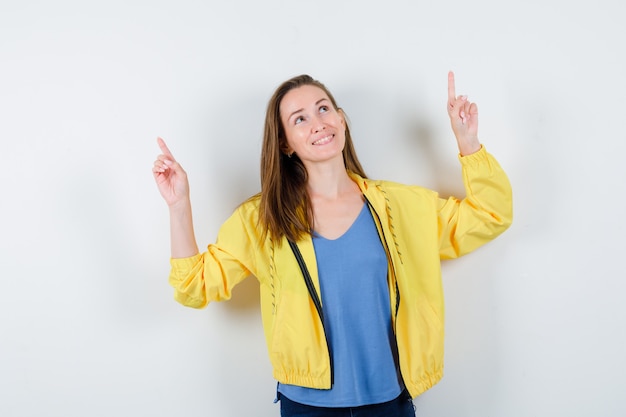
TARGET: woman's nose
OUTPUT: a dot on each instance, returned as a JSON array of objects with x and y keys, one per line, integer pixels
[{"x": 318, "y": 125}]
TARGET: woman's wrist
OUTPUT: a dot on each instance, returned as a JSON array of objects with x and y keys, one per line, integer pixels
[{"x": 469, "y": 148}]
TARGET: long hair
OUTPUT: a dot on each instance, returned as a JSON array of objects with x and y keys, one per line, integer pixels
[{"x": 285, "y": 207}]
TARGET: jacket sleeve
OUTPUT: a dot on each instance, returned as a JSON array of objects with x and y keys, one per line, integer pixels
[
  {"x": 485, "y": 212},
  {"x": 211, "y": 276}
]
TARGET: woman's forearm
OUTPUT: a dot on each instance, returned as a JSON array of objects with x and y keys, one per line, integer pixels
[{"x": 183, "y": 239}]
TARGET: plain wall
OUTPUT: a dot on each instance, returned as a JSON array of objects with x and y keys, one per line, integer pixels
[{"x": 88, "y": 326}]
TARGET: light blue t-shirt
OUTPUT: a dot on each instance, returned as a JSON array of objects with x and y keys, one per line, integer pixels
[{"x": 357, "y": 320}]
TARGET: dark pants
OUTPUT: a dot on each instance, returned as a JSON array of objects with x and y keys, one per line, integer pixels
[{"x": 400, "y": 407}]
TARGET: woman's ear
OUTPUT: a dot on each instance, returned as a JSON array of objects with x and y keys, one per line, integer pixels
[
  {"x": 342, "y": 115},
  {"x": 284, "y": 148}
]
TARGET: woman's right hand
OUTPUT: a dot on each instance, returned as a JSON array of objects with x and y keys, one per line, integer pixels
[{"x": 170, "y": 177}]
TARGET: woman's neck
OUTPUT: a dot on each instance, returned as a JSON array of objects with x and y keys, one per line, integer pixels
[
  {"x": 329, "y": 181},
  {"x": 336, "y": 200}
]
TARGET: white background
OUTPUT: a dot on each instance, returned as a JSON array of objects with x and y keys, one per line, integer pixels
[{"x": 88, "y": 326}]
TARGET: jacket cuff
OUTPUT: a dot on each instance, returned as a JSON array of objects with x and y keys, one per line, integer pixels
[
  {"x": 184, "y": 264},
  {"x": 478, "y": 156}
]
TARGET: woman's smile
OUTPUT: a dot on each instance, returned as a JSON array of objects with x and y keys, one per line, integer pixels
[{"x": 324, "y": 140}]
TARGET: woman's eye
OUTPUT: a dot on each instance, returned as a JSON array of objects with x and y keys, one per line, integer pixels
[
  {"x": 323, "y": 109},
  {"x": 299, "y": 120}
]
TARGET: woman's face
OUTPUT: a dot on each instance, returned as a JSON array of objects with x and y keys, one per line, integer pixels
[{"x": 315, "y": 130}]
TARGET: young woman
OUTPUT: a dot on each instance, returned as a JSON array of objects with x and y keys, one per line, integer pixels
[{"x": 349, "y": 267}]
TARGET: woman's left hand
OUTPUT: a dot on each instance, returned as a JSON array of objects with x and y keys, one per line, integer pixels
[{"x": 464, "y": 119}]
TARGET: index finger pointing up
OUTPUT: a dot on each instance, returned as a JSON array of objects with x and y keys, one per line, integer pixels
[
  {"x": 451, "y": 89},
  {"x": 164, "y": 148}
]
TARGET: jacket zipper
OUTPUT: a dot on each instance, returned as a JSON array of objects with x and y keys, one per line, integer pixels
[
  {"x": 316, "y": 301},
  {"x": 388, "y": 253}
]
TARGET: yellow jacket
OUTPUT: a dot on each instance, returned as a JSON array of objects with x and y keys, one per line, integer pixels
[{"x": 417, "y": 229}]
